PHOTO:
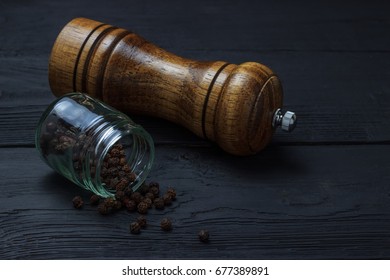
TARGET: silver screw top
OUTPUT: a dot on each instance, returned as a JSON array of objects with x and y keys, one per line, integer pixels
[{"x": 287, "y": 121}]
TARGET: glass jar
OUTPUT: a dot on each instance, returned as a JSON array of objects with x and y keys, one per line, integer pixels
[{"x": 94, "y": 145}]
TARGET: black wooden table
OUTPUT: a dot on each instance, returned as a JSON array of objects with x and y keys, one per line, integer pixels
[{"x": 321, "y": 192}]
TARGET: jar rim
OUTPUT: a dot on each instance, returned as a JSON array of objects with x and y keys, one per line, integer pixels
[{"x": 137, "y": 133}]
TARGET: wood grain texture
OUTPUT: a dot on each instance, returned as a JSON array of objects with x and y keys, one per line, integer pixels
[
  {"x": 321, "y": 192},
  {"x": 336, "y": 100},
  {"x": 324, "y": 206}
]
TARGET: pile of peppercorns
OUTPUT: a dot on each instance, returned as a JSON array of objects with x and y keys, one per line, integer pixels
[
  {"x": 115, "y": 173},
  {"x": 142, "y": 201},
  {"x": 147, "y": 198}
]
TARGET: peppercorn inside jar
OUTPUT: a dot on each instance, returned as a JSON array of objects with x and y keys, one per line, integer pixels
[{"x": 94, "y": 145}]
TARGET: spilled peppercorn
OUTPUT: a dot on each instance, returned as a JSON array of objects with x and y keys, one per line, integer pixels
[
  {"x": 77, "y": 202},
  {"x": 166, "y": 224},
  {"x": 94, "y": 199},
  {"x": 141, "y": 201},
  {"x": 135, "y": 228},
  {"x": 159, "y": 203},
  {"x": 141, "y": 220},
  {"x": 204, "y": 235}
]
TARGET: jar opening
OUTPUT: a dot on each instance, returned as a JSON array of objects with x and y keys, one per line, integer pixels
[{"x": 125, "y": 161}]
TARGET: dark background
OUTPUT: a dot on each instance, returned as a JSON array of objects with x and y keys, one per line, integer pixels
[{"x": 321, "y": 192}]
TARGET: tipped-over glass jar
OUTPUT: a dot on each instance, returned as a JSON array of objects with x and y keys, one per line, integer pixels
[{"x": 94, "y": 145}]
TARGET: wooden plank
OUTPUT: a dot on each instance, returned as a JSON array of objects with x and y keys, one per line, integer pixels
[
  {"x": 322, "y": 202},
  {"x": 335, "y": 100},
  {"x": 221, "y": 25}
]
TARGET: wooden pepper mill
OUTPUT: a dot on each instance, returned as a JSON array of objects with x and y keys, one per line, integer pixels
[{"x": 237, "y": 106}]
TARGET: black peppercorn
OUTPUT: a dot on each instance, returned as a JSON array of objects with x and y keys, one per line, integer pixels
[
  {"x": 77, "y": 202},
  {"x": 117, "y": 205},
  {"x": 142, "y": 207},
  {"x": 130, "y": 205},
  {"x": 112, "y": 171},
  {"x": 121, "y": 174},
  {"x": 135, "y": 228},
  {"x": 94, "y": 200},
  {"x": 167, "y": 199},
  {"x": 107, "y": 206},
  {"x": 204, "y": 235},
  {"x": 131, "y": 176},
  {"x": 113, "y": 182},
  {"x": 122, "y": 184},
  {"x": 141, "y": 220},
  {"x": 110, "y": 202},
  {"x": 115, "y": 152},
  {"x": 159, "y": 203},
  {"x": 113, "y": 162},
  {"x": 154, "y": 184},
  {"x": 137, "y": 197},
  {"x": 119, "y": 195},
  {"x": 128, "y": 191},
  {"x": 103, "y": 209},
  {"x": 122, "y": 161},
  {"x": 172, "y": 192},
  {"x": 154, "y": 190},
  {"x": 148, "y": 202},
  {"x": 150, "y": 196},
  {"x": 126, "y": 169},
  {"x": 166, "y": 224}
]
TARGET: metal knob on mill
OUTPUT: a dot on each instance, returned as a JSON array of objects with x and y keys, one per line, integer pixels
[{"x": 236, "y": 106}]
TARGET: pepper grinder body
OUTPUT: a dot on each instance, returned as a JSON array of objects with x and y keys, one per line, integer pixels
[{"x": 232, "y": 105}]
